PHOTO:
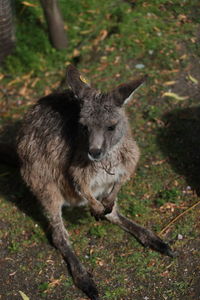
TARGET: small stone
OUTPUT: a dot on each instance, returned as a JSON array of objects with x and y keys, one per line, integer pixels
[
  {"x": 180, "y": 237},
  {"x": 139, "y": 66},
  {"x": 150, "y": 52}
]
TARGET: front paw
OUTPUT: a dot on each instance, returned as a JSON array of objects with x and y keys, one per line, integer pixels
[
  {"x": 97, "y": 211},
  {"x": 108, "y": 206}
]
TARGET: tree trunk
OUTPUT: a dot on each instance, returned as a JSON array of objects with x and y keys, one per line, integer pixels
[
  {"x": 55, "y": 23},
  {"x": 7, "y": 37}
]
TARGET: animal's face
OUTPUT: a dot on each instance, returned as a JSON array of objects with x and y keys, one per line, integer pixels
[
  {"x": 104, "y": 124},
  {"x": 102, "y": 119}
]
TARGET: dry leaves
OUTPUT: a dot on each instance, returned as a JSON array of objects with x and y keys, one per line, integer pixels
[
  {"x": 159, "y": 162},
  {"x": 24, "y": 296},
  {"x": 26, "y": 3},
  {"x": 102, "y": 35},
  {"x": 169, "y": 206},
  {"x": 194, "y": 80},
  {"x": 175, "y": 96},
  {"x": 76, "y": 53},
  {"x": 54, "y": 282},
  {"x": 168, "y": 83},
  {"x": 1, "y": 76}
]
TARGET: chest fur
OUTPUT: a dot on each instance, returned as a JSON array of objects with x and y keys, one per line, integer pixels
[{"x": 102, "y": 182}]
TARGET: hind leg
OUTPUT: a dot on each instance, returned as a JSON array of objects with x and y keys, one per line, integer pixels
[
  {"x": 52, "y": 202},
  {"x": 144, "y": 236}
]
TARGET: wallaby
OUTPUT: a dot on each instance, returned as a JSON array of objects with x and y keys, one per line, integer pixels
[{"x": 76, "y": 147}]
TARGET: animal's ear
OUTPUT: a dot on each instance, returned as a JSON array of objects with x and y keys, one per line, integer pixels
[
  {"x": 79, "y": 87},
  {"x": 124, "y": 92}
]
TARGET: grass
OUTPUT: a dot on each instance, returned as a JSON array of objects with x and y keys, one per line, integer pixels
[{"x": 111, "y": 42}]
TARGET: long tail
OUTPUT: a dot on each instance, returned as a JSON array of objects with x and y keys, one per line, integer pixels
[{"x": 8, "y": 154}]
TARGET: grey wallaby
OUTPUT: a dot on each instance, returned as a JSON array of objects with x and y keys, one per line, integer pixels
[{"x": 76, "y": 147}]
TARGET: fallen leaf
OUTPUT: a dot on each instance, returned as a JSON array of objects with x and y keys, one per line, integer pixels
[
  {"x": 100, "y": 262},
  {"x": 91, "y": 251},
  {"x": 54, "y": 283},
  {"x": 24, "y": 297},
  {"x": 76, "y": 53},
  {"x": 27, "y": 76},
  {"x": 12, "y": 274},
  {"x": 34, "y": 82},
  {"x": 151, "y": 263},
  {"x": 110, "y": 49},
  {"x": 26, "y": 3},
  {"x": 23, "y": 91},
  {"x": 175, "y": 96},
  {"x": 165, "y": 274},
  {"x": 16, "y": 80},
  {"x": 169, "y": 71},
  {"x": 184, "y": 56},
  {"x": 193, "y": 40},
  {"x": 194, "y": 80},
  {"x": 102, "y": 35},
  {"x": 176, "y": 183},
  {"x": 167, "y": 83},
  {"x": 183, "y": 18},
  {"x": 156, "y": 29},
  {"x": 92, "y": 11},
  {"x": 86, "y": 31},
  {"x": 1, "y": 76},
  {"x": 158, "y": 162}
]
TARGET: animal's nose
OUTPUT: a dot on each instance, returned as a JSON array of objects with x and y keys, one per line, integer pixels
[{"x": 95, "y": 153}]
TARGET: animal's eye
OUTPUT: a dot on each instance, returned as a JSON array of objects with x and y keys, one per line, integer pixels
[{"x": 111, "y": 128}]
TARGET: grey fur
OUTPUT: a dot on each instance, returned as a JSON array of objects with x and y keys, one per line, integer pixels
[{"x": 77, "y": 147}]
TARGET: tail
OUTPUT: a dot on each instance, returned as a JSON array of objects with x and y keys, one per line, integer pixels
[{"x": 8, "y": 154}]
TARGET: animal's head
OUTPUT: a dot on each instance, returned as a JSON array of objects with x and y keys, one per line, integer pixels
[{"x": 102, "y": 116}]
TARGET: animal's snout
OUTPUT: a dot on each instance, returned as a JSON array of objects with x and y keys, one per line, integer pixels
[{"x": 94, "y": 154}]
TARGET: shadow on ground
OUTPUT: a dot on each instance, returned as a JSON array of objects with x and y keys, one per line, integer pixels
[
  {"x": 179, "y": 140},
  {"x": 13, "y": 189}
]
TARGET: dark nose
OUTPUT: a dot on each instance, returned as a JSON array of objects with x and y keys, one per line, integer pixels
[{"x": 95, "y": 153}]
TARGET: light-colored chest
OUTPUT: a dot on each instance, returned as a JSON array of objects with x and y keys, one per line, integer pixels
[{"x": 102, "y": 182}]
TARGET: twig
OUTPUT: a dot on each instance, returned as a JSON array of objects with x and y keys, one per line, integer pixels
[{"x": 178, "y": 217}]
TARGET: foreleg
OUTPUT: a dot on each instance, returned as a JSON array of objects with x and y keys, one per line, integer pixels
[{"x": 109, "y": 201}]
